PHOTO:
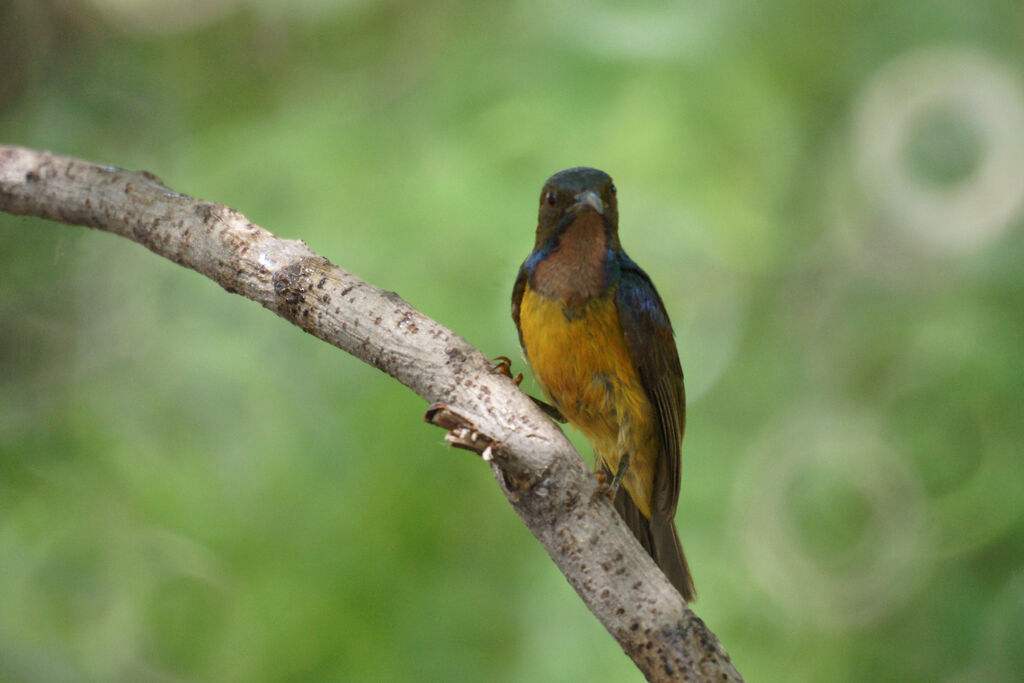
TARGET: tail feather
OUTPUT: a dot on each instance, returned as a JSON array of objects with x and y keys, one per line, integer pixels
[{"x": 659, "y": 538}]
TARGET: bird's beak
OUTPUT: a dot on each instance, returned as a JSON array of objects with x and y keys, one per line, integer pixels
[{"x": 588, "y": 199}]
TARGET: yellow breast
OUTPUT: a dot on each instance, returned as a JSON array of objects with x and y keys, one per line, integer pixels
[{"x": 585, "y": 368}]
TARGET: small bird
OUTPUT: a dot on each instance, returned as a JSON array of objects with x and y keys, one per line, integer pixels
[{"x": 600, "y": 344}]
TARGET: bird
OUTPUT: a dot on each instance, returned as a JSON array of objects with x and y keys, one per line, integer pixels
[{"x": 597, "y": 337}]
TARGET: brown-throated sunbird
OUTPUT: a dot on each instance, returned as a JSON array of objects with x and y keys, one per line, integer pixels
[{"x": 600, "y": 344}]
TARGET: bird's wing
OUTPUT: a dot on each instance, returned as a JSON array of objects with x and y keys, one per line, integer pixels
[
  {"x": 651, "y": 345},
  {"x": 517, "y": 300}
]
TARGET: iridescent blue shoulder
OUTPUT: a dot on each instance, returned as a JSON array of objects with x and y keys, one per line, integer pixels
[
  {"x": 525, "y": 273},
  {"x": 637, "y": 296},
  {"x": 530, "y": 264}
]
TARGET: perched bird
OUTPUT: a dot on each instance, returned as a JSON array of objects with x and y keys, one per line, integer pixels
[{"x": 600, "y": 344}]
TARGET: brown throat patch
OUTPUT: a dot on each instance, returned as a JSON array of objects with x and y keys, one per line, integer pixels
[{"x": 574, "y": 271}]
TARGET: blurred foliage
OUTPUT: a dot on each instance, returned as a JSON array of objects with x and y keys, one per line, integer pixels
[{"x": 827, "y": 195}]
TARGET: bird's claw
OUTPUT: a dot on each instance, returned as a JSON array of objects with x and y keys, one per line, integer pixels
[
  {"x": 503, "y": 366},
  {"x": 611, "y": 488}
]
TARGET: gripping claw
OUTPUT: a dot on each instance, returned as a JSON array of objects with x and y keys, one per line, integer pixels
[
  {"x": 503, "y": 365},
  {"x": 611, "y": 488}
]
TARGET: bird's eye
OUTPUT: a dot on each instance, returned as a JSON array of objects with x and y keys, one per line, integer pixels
[
  {"x": 551, "y": 199},
  {"x": 613, "y": 189}
]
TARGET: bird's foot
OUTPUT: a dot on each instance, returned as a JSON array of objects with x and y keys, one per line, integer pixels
[
  {"x": 503, "y": 366},
  {"x": 611, "y": 488},
  {"x": 549, "y": 410}
]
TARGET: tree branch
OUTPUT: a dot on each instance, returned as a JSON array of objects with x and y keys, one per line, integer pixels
[{"x": 542, "y": 476}]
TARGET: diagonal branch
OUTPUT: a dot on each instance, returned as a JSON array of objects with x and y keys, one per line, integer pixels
[{"x": 544, "y": 479}]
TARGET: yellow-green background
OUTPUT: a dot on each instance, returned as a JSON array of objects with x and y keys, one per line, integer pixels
[{"x": 192, "y": 489}]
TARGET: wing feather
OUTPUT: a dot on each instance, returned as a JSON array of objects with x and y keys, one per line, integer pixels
[{"x": 651, "y": 344}]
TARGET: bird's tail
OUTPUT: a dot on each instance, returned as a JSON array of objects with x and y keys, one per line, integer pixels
[{"x": 659, "y": 538}]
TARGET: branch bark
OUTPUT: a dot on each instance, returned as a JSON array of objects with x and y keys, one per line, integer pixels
[{"x": 545, "y": 480}]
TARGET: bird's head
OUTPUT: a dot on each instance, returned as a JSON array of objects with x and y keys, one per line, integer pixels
[{"x": 574, "y": 194}]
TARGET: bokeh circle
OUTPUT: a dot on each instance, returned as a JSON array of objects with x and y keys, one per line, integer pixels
[
  {"x": 886, "y": 556},
  {"x": 976, "y": 92}
]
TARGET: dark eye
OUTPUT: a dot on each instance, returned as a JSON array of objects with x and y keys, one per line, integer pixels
[
  {"x": 613, "y": 189},
  {"x": 551, "y": 199}
]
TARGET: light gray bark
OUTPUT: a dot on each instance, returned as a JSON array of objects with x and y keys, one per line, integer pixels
[{"x": 545, "y": 480}]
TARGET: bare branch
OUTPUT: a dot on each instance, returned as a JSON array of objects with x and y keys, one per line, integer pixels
[{"x": 544, "y": 479}]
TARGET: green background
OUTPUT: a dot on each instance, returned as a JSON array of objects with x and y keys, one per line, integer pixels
[{"x": 192, "y": 489}]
